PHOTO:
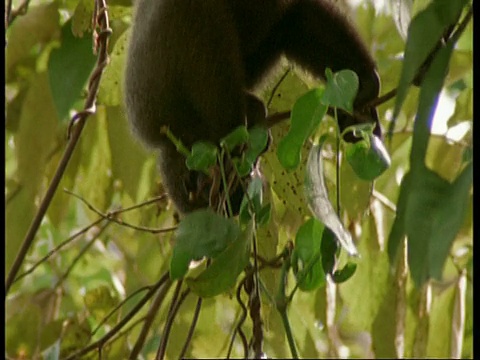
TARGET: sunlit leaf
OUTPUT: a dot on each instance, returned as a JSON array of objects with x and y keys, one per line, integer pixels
[
  {"x": 401, "y": 10},
  {"x": 440, "y": 324},
  {"x": 110, "y": 90},
  {"x": 425, "y": 30},
  {"x": 364, "y": 292},
  {"x": 82, "y": 18},
  {"x": 41, "y": 23}
]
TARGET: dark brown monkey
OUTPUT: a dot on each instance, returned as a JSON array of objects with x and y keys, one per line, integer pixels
[{"x": 192, "y": 63}]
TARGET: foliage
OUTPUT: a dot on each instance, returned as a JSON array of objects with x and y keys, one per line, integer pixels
[{"x": 111, "y": 270}]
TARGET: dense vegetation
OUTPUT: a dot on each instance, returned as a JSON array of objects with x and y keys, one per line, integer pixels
[{"x": 87, "y": 266}]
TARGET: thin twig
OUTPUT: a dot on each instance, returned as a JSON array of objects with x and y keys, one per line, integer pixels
[
  {"x": 164, "y": 280},
  {"x": 275, "y": 262},
  {"x": 277, "y": 85},
  {"x": 192, "y": 328},
  {"x": 384, "y": 200},
  {"x": 112, "y": 216},
  {"x": 11, "y": 15},
  {"x": 168, "y": 324},
  {"x": 8, "y": 11},
  {"x": 255, "y": 307},
  {"x": 82, "y": 252},
  {"x": 139, "y": 205},
  {"x": 56, "y": 249},
  {"x": 238, "y": 328},
  {"x": 152, "y": 312},
  {"x": 118, "y": 306}
]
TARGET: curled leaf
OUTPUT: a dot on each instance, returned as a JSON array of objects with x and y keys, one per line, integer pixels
[{"x": 319, "y": 203}]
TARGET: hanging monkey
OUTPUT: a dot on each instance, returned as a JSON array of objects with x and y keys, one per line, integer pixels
[{"x": 192, "y": 65}]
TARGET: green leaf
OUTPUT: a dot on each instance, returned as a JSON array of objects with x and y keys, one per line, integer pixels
[
  {"x": 449, "y": 220},
  {"x": 368, "y": 158},
  {"x": 440, "y": 324},
  {"x": 463, "y": 107},
  {"x": 41, "y": 24},
  {"x": 341, "y": 89},
  {"x": 306, "y": 259},
  {"x": 33, "y": 146},
  {"x": 202, "y": 157},
  {"x": 128, "y": 155},
  {"x": 263, "y": 215},
  {"x": 401, "y": 14},
  {"x": 431, "y": 216},
  {"x": 328, "y": 250},
  {"x": 68, "y": 69},
  {"x": 429, "y": 94},
  {"x": 237, "y": 137},
  {"x": 99, "y": 301},
  {"x": 385, "y": 324},
  {"x": 317, "y": 196},
  {"x": 201, "y": 233},
  {"x": 398, "y": 231},
  {"x": 363, "y": 294},
  {"x": 24, "y": 327},
  {"x": 344, "y": 273},
  {"x": 257, "y": 141},
  {"x": 82, "y": 17},
  {"x": 306, "y": 115},
  {"x": 425, "y": 30},
  {"x": 432, "y": 209},
  {"x": 110, "y": 90},
  {"x": 95, "y": 162},
  {"x": 255, "y": 193},
  {"x": 223, "y": 272},
  {"x": 355, "y": 193}
]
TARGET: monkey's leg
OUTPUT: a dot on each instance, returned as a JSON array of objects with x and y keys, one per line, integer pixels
[{"x": 316, "y": 35}]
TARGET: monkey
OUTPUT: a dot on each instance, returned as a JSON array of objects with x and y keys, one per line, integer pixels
[{"x": 192, "y": 65}]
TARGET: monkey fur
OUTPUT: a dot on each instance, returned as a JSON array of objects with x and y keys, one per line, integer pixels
[{"x": 192, "y": 65}]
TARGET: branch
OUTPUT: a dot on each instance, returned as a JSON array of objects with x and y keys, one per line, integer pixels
[
  {"x": 82, "y": 252},
  {"x": 56, "y": 249},
  {"x": 238, "y": 328},
  {"x": 112, "y": 215},
  {"x": 164, "y": 280},
  {"x": 77, "y": 123},
  {"x": 192, "y": 328},
  {"x": 148, "y": 323},
  {"x": 171, "y": 315},
  {"x": 11, "y": 15}
]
